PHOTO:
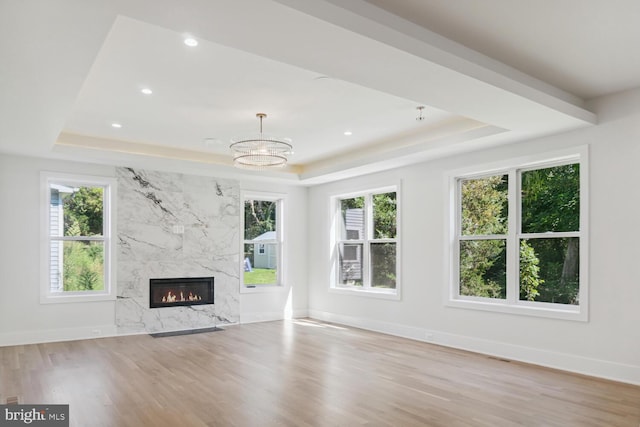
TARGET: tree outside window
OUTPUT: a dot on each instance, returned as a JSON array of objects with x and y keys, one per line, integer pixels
[
  {"x": 532, "y": 212},
  {"x": 76, "y": 220},
  {"x": 367, "y": 241},
  {"x": 262, "y": 241}
]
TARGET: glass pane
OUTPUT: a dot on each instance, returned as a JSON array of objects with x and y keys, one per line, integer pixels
[
  {"x": 260, "y": 264},
  {"x": 352, "y": 211},
  {"x": 77, "y": 266},
  {"x": 76, "y": 211},
  {"x": 383, "y": 265},
  {"x": 484, "y": 205},
  {"x": 351, "y": 264},
  {"x": 384, "y": 216},
  {"x": 260, "y": 219},
  {"x": 550, "y": 270},
  {"x": 551, "y": 199},
  {"x": 483, "y": 268}
]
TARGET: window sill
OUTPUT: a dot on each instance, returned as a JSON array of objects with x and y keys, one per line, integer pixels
[
  {"x": 71, "y": 297},
  {"x": 550, "y": 311},
  {"x": 371, "y": 293},
  {"x": 260, "y": 289}
]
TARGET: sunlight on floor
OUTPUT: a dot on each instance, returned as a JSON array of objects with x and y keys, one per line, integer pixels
[{"x": 313, "y": 323}]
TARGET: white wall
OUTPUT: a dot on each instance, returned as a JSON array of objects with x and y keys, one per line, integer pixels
[
  {"x": 291, "y": 300},
  {"x": 24, "y": 320},
  {"x": 22, "y": 317},
  {"x": 608, "y": 345}
]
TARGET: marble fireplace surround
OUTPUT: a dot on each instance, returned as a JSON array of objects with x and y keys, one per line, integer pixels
[{"x": 176, "y": 225}]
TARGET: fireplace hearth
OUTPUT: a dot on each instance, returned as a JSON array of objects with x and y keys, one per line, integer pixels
[{"x": 173, "y": 292}]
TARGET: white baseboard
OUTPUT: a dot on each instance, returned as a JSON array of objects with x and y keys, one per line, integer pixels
[
  {"x": 566, "y": 362},
  {"x": 271, "y": 316},
  {"x": 90, "y": 332},
  {"x": 55, "y": 335}
]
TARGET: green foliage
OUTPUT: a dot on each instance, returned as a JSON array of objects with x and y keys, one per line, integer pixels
[
  {"x": 259, "y": 217},
  {"x": 483, "y": 268},
  {"x": 548, "y": 266},
  {"x": 551, "y": 202},
  {"x": 484, "y": 212},
  {"x": 83, "y": 212},
  {"x": 551, "y": 199},
  {"x": 87, "y": 280},
  {"x": 83, "y": 261},
  {"x": 353, "y": 203},
  {"x": 383, "y": 265},
  {"x": 559, "y": 267},
  {"x": 260, "y": 276},
  {"x": 384, "y": 216},
  {"x": 485, "y": 205},
  {"x": 529, "y": 272},
  {"x": 83, "y": 266},
  {"x": 383, "y": 255}
]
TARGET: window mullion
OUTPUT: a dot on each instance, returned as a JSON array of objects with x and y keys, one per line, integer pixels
[
  {"x": 78, "y": 238},
  {"x": 454, "y": 291},
  {"x": 484, "y": 237},
  {"x": 513, "y": 221},
  {"x": 550, "y": 235},
  {"x": 368, "y": 236}
]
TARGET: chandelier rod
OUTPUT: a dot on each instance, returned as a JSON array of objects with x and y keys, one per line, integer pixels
[{"x": 261, "y": 116}]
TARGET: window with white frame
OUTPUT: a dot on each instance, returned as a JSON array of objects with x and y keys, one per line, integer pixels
[
  {"x": 366, "y": 243},
  {"x": 77, "y": 251},
  {"x": 262, "y": 243},
  {"x": 519, "y": 238}
]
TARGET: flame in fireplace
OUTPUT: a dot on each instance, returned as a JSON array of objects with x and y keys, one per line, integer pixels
[{"x": 171, "y": 297}]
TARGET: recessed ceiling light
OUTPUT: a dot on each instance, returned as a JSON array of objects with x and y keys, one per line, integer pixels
[
  {"x": 146, "y": 91},
  {"x": 116, "y": 125},
  {"x": 191, "y": 42},
  {"x": 348, "y": 133}
]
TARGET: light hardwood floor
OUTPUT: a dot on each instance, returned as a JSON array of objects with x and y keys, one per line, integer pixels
[{"x": 302, "y": 373}]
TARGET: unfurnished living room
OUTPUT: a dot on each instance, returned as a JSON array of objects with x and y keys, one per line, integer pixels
[{"x": 319, "y": 213}]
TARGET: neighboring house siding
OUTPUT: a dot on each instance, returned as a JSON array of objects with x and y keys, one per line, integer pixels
[
  {"x": 56, "y": 220},
  {"x": 265, "y": 254},
  {"x": 352, "y": 256}
]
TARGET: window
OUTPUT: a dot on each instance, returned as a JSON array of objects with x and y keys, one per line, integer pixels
[
  {"x": 366, "y": 243},
  {"x": 262, "y": 243},
  {"x": 77, "y": 228},
  {"x": 519, "y": 240}
]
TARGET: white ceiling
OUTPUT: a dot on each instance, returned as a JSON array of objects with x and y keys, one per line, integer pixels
[
  {"x": 317, "y": 68},
  {"x": 206, "y": 95},
  {"x": 585, "y": 47}
]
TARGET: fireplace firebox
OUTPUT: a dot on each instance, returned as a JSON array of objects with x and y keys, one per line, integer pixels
[{"x": 180, "y": 292}]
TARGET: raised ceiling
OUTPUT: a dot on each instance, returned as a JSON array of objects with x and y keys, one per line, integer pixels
[
  {"x": 582, "y": 47},
  {"x": 318, "y": 68}
]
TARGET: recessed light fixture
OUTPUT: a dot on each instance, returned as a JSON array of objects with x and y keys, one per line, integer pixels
[
  {"x": 191, "y": 42},
  {"x": 116, "y": 125},
  {"x": 146, "y": 91},
  {"x": 348, "y": 133}
]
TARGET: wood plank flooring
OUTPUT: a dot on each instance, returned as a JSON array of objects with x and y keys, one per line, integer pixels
[{"x": 302, "y": 373}]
